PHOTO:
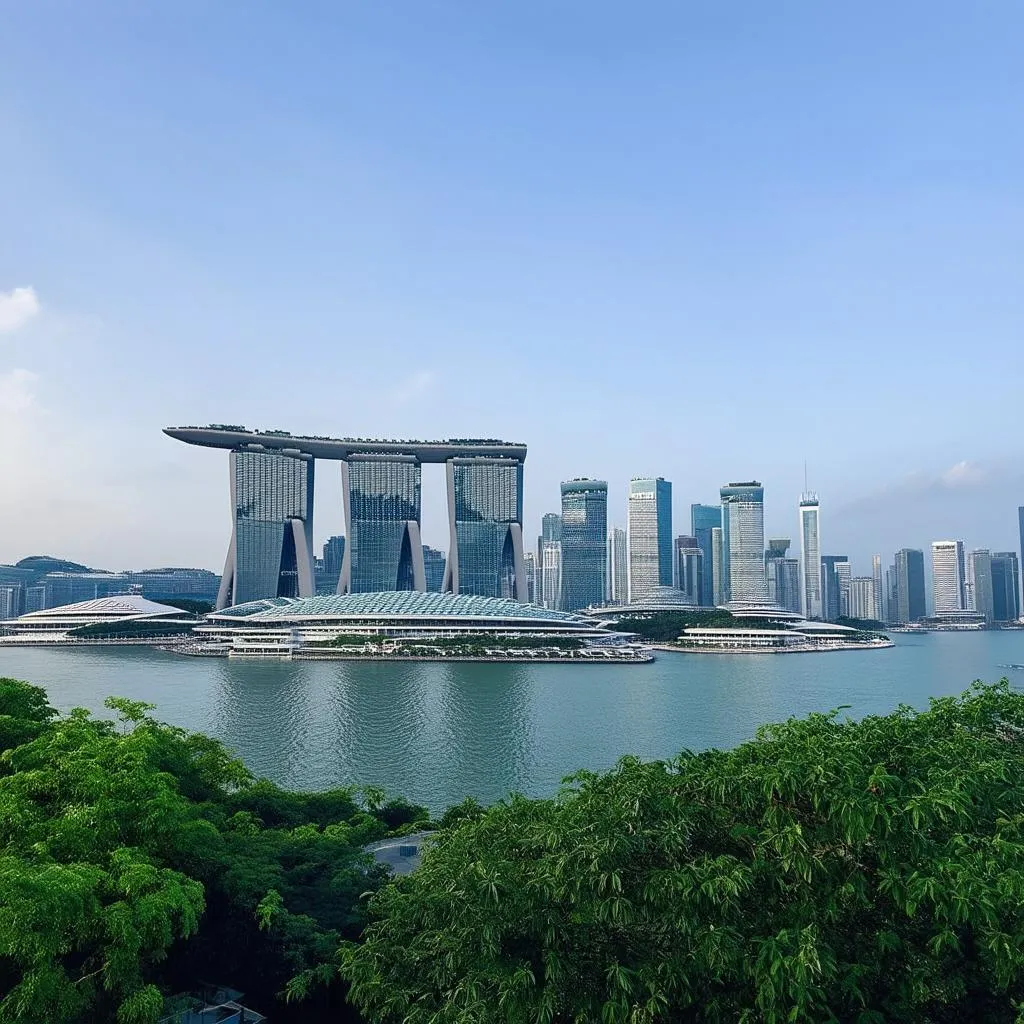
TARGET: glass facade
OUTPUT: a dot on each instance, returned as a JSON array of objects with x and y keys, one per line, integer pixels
[
  {"x": 618, "y": 567},
  {"x": 382, "y": 514},
  {"x": 1005, "y": 586},
  {"x": 810, "y": 558},
  {"x": 485, "y": 499},
  {"x": 271, "y": 549},
  {"x": 690, "y": 569},
  {"x": 703, "y": 519},
  {"x": 744, "y": 580},
  {"x": 584, "y": 533},
  {"x": 835, "y": 586},
  {"x": 649, "y": 536},
  {"x": 433, "y": 568},
  {"x": 908, "y": 597}
]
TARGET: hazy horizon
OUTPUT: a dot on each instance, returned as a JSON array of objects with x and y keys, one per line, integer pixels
[{"x": 692, "y": 241}]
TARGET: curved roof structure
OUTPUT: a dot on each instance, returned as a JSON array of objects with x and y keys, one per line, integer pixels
[
  {"x": 103, "y": 608},
  {"x": 399, "y": 604},
  {"x": 229, "y": 436}
]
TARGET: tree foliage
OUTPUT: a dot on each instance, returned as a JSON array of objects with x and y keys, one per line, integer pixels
[
  {"x": 138, "y": 860},
  {"x": 829, "y": 870}
]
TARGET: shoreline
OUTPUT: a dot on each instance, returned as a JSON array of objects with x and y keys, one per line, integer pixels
[{"x": 793, "y": 649}]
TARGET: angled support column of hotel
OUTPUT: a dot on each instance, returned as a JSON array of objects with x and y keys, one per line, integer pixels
[
  {"x": 485, "y": 515},
  {"x": 271, "y": 550},
  {"x": 382, "y": 522}
]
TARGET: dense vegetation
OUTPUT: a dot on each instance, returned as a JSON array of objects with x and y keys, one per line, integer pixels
[
  {"x": 664, "y": 627},
  {"x": 131, "y": 628},
  {"x": 860, "y": 872},
  {"x": 119, "y": 841},
  {"x": 864, "y": 625},
  {"x": 828, "y": 871}
]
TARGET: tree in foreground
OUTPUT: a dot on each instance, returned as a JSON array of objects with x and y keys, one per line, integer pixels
[{"x": 829, "y": 870}]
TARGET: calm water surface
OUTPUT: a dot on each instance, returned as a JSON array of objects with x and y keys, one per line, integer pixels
[{"x": 438, "y": 732}]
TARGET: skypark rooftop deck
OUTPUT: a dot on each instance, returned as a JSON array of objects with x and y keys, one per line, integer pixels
[{"x": 229, "y": 436}]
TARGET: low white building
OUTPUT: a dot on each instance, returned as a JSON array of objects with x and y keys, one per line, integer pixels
[{"x": 57, "y": 625}]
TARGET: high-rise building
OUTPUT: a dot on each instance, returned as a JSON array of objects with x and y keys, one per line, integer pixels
[
  {"x": 382, "y": 519},
  {"x": 584, "y": 536},
  {"x": 532, "y": 577},
  {"x": 485, "y": 508},
  {"x": 550, "y": 528},
  {"x": 618, "y": 567},
  {"x": 876, "y": 575},
  {"x": 1020, "y": 527},
  {"x": 744, "y": 580},
  {"x": 689, "y": 569},
  {"x": 649, "y": 534},
  {"x": 863, "y": 603},
  {"x": 810, "y": 557},
  {"x": 783, "y": 575},
  {"x": 36, "y": 598},
  {"x": 703, "y": 519},
  {"x": 433, "y": 568},
  {"x": 978, "y": 592},
  {"x": 835, "y": 586},
  {"x": 11, "y": 597},
  {"x": 717, "y": 566},
  {"x": 550, "y": 531},
  {"x": 271, "y": 551},
  {"x": 1005, "y": 587},
  {"x": 331, "y": 561},
  {"x": 948, "y": 576},
  {"x": 909, "y": 599},
  {"x": 551, "y": 574}
]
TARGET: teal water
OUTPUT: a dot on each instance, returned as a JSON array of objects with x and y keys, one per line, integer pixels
[{"x": 439, "y": 732}]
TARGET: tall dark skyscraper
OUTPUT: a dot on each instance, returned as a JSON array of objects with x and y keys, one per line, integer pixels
[
  {"x": 271, "y": 550},
  {"x": 433, "y": 567},
  {"x": 1005, "y": 586},
  {"x": 328, "y": 571},
  {"x": 909, "y": 591},
  {"x": 382, "y": 520},
  {"x": 584, "y": 533},
  {"x": 703, "y": 519},
  {"x": 835, "y": 582},
  {"x": 689, "y": 568},
  {"x": 1020, "y": 527}
]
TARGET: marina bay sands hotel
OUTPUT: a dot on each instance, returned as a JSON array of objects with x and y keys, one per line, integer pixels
[{"x": 271, "y": 549}]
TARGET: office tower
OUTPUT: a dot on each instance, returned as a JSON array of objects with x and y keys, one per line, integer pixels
[
  {"x": 11, "y": 597},
  {"x": 876, "y": 575},
  {"x": 717, "y": 566},
  {"x": 863, "y": 603},
  {"x": 1005, "y": 587},
  {"x": 485, "y": 508},
  {"x": 909, "y": 599},
  {"x": 584, "y": 536},
  {"x": 433, "y": 568},
  {"x": 948, "y": 576},
  {"x": 333, "y": 557},
  {"x": 550, "y": 529},
  {"x": 618, "y": 567},
  {"x": 271, "y": 550},
  {"x": 37, "y": 598},
  {"x": 889, "y": 599},
  {"x": 703, "y": 519},
  {"x": 835, "y": 586},
  {"x": 532, "y": 577},
  {"x": 744, "y": 580},
  {"x": 649, "y": 536},
  {"x": 382, "y": 520},
  {"x": 689, "y": 569},
  {"x": 1019, "y": 596},
  {"x": 551, "y": 574},
  {"x": 978, "y": 591},
  {"x": 810, "y": 557},
  {"x": 783, "y": 576}
]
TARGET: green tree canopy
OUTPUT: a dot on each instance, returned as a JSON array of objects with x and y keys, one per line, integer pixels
[{"x": 829, "y": 870}]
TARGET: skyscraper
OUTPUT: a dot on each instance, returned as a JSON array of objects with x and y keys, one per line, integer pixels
[
  {"x": 784, "y": 588},
  {"x": 649, "y": 535},
  {"x": 862, "y": 603},
  {"x": 532, "y": 577},
  {"x": 485, "y": 508},
  {"x": 744, "y": 580},
  {"x": 978, "y": 591},
  {"x": 948, "y": 576},
  {"x": 618, "y": 567},
  {"x": 689, "y": 569},
  {"x": 1005, "y": 588},
  {"x": 328, "y": 567},
  {"x": 810, "y": 558},
  {"x": 433, "y": 568},
  {"x": 271, "y": 549},
  {"x": 382, "y": 519},
  {"x": 703, "y": 519},
  {"x": 835, "y": 586},
  {"x": 909, "y": 596},
  {"x": 1020, "y": 529},
  {"x": 876, "y": 575},
  {"x": 584, "y": 533},
  {"x": 551, "y": 574},
  {"x": 550, "y": 531}
]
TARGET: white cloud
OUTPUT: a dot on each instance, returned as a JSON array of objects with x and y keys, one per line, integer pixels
[
  {"x": 412, "y": 387},
  {"x": 17, "y": 307},
  {"x": 963, "y": 474}
]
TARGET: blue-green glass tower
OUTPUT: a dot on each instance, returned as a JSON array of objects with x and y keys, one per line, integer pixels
[
  {"x": 584, "y": 533},
  {"x": 703, "y": 519}
]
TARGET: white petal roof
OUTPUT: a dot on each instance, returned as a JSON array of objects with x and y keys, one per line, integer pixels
[{"x": 123, "y": 604}]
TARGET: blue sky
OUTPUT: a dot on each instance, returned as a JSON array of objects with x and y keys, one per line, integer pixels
[{"x": 707, "y": 241}]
